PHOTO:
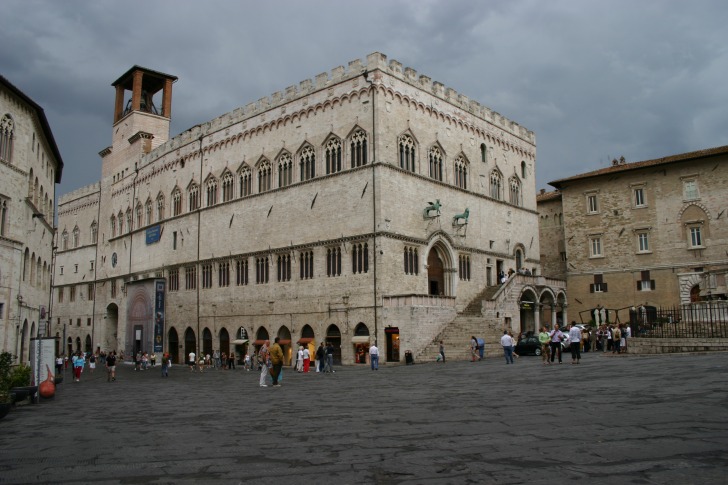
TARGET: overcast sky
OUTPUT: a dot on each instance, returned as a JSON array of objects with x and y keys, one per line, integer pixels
[{"x": 594, "y": 80}]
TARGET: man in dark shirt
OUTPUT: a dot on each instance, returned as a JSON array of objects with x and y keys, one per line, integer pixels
[
  {"x": 329, "y": 357},
  {"x": 111, "y": 366}
]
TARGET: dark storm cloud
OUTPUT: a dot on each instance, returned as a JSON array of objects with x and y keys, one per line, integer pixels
[{"x": 594, "y": 80}]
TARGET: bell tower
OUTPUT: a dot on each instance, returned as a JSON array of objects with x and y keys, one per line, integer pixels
[
  {"x": 141, "y": 119},
  {"x": 143, "y": 84}
]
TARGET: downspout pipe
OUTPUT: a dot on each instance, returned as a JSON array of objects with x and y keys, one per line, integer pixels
[
  {"x": 199, "y": 224},
  {"x": 374, "y": 204}
]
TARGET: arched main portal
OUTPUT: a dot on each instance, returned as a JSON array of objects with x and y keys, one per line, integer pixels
[
  {"x": 173, "y": 345},
  {"x": 440, "y": 270},
  {"x": 190, "y": 342},
  {"x": 69, "y": 348},
  {"x": 88, "y": 348}
]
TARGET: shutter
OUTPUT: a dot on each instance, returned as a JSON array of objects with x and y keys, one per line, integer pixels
[
  {"x": 591, "y": 288},
  {"x": 652, "y": 284},
  {"x": 639, "y": 285},
  {"x": 604, "y": 287}
]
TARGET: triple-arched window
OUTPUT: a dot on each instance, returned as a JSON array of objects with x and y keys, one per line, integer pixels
[
  {"x": 307, "y": 162},
  {"x": 285, "y": 170},
  {"x": 407, "y": 153},
  {"x": 435, "y": 157}
]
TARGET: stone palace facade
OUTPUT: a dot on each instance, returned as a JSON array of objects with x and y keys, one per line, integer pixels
[
  {"x": 367, "y": 204},
  {"x": 30, "y": 168}
]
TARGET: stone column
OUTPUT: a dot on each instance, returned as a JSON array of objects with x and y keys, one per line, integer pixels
[
  {"x": 119, "y": 103},
  {"x": 167, "y": 99}
]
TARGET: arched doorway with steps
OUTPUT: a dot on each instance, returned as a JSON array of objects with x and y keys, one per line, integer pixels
[{"x": 440, "y": 266}]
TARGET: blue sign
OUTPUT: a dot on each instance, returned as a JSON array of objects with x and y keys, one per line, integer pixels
[{"x": 153, "y": 234}]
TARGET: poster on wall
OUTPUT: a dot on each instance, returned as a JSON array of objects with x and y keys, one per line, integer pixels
[
  {"x": 159, "y": 286},
  {"x": 42, "y": 358}
]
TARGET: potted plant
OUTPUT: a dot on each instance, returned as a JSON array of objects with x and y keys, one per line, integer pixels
[
  {"x": 20, "y": 383},
  {"x": 6, "y": 361}
]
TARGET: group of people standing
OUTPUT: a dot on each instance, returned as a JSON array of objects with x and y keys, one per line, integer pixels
[
  {"x": 270, "y": 361},
  {"x": 607, "y": 337}
]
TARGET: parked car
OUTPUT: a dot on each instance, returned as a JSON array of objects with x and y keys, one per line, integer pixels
[{"x": 528, "y": 346}]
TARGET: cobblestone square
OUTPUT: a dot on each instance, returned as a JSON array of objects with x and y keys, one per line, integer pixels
[{"x": 624, "y": 419}]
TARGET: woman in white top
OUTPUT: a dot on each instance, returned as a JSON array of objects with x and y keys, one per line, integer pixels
[{"x": 299, "y": 361}]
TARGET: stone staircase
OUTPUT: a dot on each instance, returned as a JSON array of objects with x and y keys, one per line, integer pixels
[{"x": 456, "y": 334}]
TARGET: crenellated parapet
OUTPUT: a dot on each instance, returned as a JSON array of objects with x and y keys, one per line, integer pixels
[
  {"x": 326, "y": 80},
  {"x": 79, "y": 193}
]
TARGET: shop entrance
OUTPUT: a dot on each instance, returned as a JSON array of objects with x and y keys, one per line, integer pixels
[
  {"x": 392, "y": 334},
  {"x": 361, "y": 343},
  {"x": 333, "y": 335}
]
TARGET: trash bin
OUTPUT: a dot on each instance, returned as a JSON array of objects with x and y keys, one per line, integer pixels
[{"x": 408, "y": 357}]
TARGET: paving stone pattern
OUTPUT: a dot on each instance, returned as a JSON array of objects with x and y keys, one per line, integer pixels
[{"x": 609, "y": 420}]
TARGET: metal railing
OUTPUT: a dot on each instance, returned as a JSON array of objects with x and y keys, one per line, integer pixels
[{"x": 708, "y": 319}]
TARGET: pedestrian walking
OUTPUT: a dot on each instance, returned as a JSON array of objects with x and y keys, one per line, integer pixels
[
  {"x": 575, "y": 339},
  {"x": 330, "y": 357},
  {"x": 320, "y": 356},
  {"x": 506, "y": 343},
  {"x": 264, "y": 363},
  {"x": 78, "y": 362},
  {"x": 59, "y": 365},
  {"x": 299, "y": 359},
  {"x": 557, "y": 336},
  {"x": 543, "y": 339},
  {"x": 276, "y": 358},
  {"x": 441, "y": 355},
  {"x": 374, "y": 356},
  {"x": 111, "y": 366},
  {"x": 306, "y": 359},
  {"x": 165, "y": 365},
  {"x": 92, "y": 363},
  {"x": 616, "y": 339},
  {"x": 473, "y": 348},
  {"x": 192, "y": 361}
]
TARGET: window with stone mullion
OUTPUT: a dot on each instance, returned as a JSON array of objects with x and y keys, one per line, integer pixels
[
  {"x": 358, "y": 149},
  {"x": 333, "y": 156},
  {"x": 306, "y": 265},
  {"x": 333, "y": 262},
  {"x": 435, "y": 164}
]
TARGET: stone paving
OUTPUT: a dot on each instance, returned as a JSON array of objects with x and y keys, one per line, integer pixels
[{"x": 608, "y": 420}]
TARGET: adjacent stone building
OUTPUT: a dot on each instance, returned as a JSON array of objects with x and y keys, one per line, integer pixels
[
  {"x": 647, "y": 234},
  {"x": 30, "y": 168},
  {"x": 367, "y": 204}
]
